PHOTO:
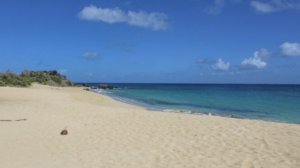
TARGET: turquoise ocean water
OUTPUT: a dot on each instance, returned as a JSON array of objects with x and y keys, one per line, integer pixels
[{"x": 278, "y": 103}]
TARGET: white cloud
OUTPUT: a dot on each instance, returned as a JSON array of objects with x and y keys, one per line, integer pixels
[
  {"x": 221, "y": 65},
  {"x": 255, "y": 61},
  {"x": 258, "y": 60},
  {"x": 155, "y": 21},
  {"x": 290, "y": 49},
  {"x": 62, "y": 71},
  {"x": 275, "y": 5},
  {"x": 216, "y": 8},
  {"x": 89, "y": 74},
  {"x": 90, "y": 55},
  {"x": 262, "y": 7}
]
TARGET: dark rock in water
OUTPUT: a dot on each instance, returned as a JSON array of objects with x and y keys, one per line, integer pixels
[
  {"x": 85, "y": 85},
  {"x": 94, "y": 87},
  {"x": 102, "y": 86},
  {"x": 64, "y": 132}
]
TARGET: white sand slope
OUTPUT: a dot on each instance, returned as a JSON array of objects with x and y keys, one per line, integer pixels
[{"x": 106, "y": 133}]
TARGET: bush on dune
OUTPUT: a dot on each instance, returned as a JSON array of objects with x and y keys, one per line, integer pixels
[
  {"x": 2, "y": 83},
  {"x": 27, "y": 77},
  {"x": 26, "y": 81},
  {"x": 10, "y": 78},
  {"x": 57, "y": 80}
]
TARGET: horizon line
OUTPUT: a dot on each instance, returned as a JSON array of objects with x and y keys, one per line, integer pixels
[{"x": 197, "y": 83}]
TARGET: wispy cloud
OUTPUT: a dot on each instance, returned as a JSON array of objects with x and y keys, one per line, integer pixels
[
  {"x": 62, "y": 71},
  {"x": 125, "y": 46},
  {"x": 275, "y": 5},
  {"x": 89, "y": 74},
  {"x": 285, "y": 65},
  {"x": 155, "y": 21},
  {"x": 221, "y": 65},
  {"x": 40, "y": 63},
  {"x": 218, "y": 6},
  {"x": 90, "y": 55},
  {"x": 127, "y": 50},
  {"x": 262, "y": 7},
  {"x": 206, "y": 61},
  {"x": 128, "y": 3}
]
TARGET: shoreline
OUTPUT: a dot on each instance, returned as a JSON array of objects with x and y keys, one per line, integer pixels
[
  {"x": 106, "y": 133},
  {"x": 153, "y": 108},
  {"x": 179, "y": 111}
]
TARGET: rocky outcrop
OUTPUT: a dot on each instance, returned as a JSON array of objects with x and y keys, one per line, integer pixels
[
  {"x": 104, "y": 86},
  {"x": 67, "y": 83},
  {"x": 52, "y": 78},
  {"x": 101, "y": 86}
]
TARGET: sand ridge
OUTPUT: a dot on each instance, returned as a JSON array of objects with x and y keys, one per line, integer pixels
[{"x": 107, "y": 133}]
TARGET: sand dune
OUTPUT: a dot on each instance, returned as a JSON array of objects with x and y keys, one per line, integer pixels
[{"x": 106, "y": 133}]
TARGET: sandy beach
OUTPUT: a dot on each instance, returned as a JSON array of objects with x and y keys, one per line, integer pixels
[{"x": 105, "y": 133}]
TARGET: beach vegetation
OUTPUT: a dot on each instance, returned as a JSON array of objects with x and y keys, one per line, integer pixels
[
  {"x": 40, "y": 78},
  {"x": 25, "y": 73},
  {"x": 2, "y": 83},
  {"x": 26, "y": 80},
  {"x": 57, "y": 80},
  {"x": 27, "y": 77},
  {"x": 10, "y": 78}
]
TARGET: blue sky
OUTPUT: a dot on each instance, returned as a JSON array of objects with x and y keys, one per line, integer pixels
[{"x": 183, "y": 41}]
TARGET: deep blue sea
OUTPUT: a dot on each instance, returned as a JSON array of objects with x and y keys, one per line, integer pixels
[{"x": 278, "y": 103}]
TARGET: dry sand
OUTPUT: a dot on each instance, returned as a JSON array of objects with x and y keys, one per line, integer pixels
[{"x": 106, "y": 133}]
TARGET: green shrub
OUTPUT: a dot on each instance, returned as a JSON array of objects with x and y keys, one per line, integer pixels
[
  {"x": 10, "y": 78},
  {"x": 40, "y": 78},
  {"x": 4, "y": 77},
  {"x": 2, "y": 83},
  {"x": 27, "y": 80},
  {"x": 56, "y": 80},
  {"x": 28, "y": 77},
  {"x": 14, "y": 81}
]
